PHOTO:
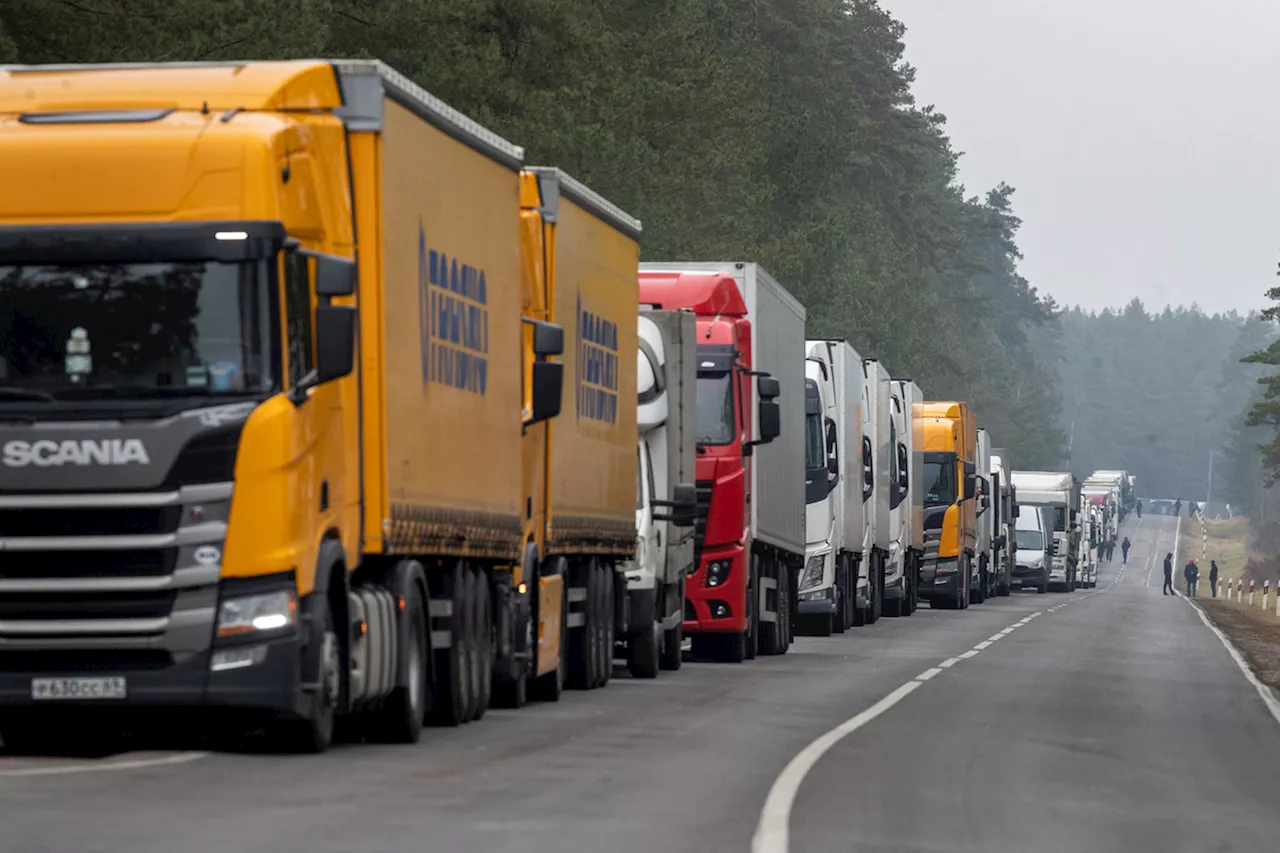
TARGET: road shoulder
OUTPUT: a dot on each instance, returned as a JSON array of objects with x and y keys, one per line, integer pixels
[{"x": 1253, "y": 631}]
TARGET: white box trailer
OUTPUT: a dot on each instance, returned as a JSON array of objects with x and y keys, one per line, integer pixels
[
  {"x": 1006, "y": 544},
  {"x": 876, "y": 454},
  {"x": 834, "y": 515},
  {"x": 906, "y": 499}
]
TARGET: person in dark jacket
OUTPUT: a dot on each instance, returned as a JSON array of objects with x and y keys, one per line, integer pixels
[
  {"x": 1139, "y": 509},
  {"x": 1213, "y": 577},
  {"x": 1191, "y": 571},
  {"x": 1124, "y": 548},
  {"x": 1177, "y": 507},
  {"x": 1168, "y": 574}
]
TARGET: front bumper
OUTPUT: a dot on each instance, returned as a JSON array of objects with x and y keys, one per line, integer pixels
[
  {"x": 704, "y": 604},
  {"x": 1026, "y": 575},
  {"x": 940, "y": 584},
  {"x": 273, "y": 684}
]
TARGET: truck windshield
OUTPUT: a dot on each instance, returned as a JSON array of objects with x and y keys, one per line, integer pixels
[
  {"x": 815, "y": 455},
  {"x": 136, "y": 330},
  {"x": 715, "y": 408},
  {"x": 940, "y": 482}
]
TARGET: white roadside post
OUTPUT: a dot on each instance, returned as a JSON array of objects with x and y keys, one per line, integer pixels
[
  {"x": 1250, "y": 592},
  {"x": 1266, "y": 592}
]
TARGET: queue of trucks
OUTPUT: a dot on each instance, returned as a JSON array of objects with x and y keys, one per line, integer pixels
[{"x": 337, "y": 418}]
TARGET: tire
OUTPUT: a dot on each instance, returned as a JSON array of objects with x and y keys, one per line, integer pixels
[
  {"x": 751, "y": 640},
  {"x": 1043, "y": 588},
  {"x": 452, "y": 701},
  {"x": 400, "y": 718},
  {"x": 644, "y": 652},
  {"x": 608, "y": 629},
  {"x": 549, "y": 687},
  {"x": 787, "y": 631},
  {"x": 876, "y": 592},
  {"x": 313, "y": 736},
  {"x": 772, "y": 634},
  {"x": 893, "y": 607},
  {"x": 584, "y": 642},
  {"x": 483, "y": 642},
  {"x": 730, "y": 648},
  {"x": 672, "y": 655}
]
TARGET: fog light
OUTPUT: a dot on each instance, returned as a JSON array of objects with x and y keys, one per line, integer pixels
[
  {"x": 227, "y": 659},
  {"x": 717, "y": 572}
]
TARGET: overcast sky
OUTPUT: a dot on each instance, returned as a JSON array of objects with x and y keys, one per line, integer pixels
[{"x": 1143, "y": 137}]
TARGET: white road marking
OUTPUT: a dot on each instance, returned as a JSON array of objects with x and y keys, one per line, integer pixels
[
  {"x": 773, "y": 832},
  {"x": 105, "y": 766},
  {"x": 985, "y": 644}
]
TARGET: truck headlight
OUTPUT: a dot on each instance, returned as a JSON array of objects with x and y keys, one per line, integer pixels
[
  {"x": 812, "y": 574},
  {"x": 251, "y": 614},
  {"x": 717, "y": 572}
]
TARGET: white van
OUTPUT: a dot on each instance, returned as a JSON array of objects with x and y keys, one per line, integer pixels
[{"x": 1035, "y": 549}]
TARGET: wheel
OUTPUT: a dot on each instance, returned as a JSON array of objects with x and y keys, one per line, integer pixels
[
  {"x": 1043, "y": 587},
  {"x": 610, "y": 628},
  {"x": 604, "y": 626},
  {"x": 584, "y": 641},
  {"x": 512, "y": 691},
  {"x": 772, "y": 634},
  {"x": 400, "y": 718},
  {"x": 483, "y": 644},
  {"x": 672, "y": 655},
  {"x": 751, "y": 642},
  {"x": 838, "y": 623},
  {"x": 453, "y": 665},
  {"x": 549, "y": 686},
  {"x": 730, "y": 648},
  {"x": 786, "y": 631},
  {"x": 644, "y": 651},
  {"x": 876, "y": 593},
  {"x": 315, "y": 734}
]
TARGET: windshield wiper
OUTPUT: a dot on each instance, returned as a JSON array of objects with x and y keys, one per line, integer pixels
[
  {"x": 88, "y": 392},
  {"x": 10, "y": 393}
]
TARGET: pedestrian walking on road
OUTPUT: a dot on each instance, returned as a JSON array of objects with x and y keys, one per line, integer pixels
[
  {"x": 1124, "y": 548},
  {"x": 1139, "y": 509},
  {"x": 1191, "y": 571},
  {"x": 1213, "y": 578},
  {"x": 1168, "y": 574},
  {"x": 1177, "y": 507}
]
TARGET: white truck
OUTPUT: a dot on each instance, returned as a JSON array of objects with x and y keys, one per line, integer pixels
[
  {"x": 1006, "y": 540},
  {"x": 1057, "y": 494},
  {"x": 666, "y": 385},
  {"x": 1033, "y": 558},
  {"x": 875, "y": 491},
  {"x": 982, "y": 583},
  {"x": 834, "y": 518},
  {"x": 1090, "y": 536},
  {"x": 906, "y": 500}
]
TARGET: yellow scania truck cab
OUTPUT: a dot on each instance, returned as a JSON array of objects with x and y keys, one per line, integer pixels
[{"x": 278, "y": 352}]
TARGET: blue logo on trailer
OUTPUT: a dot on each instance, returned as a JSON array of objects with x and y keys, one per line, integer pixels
[
  {"x": 597, "y": 379},
  {"x": 453, "y": 320}
]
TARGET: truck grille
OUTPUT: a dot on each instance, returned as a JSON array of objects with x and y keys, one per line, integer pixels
[
  {"x": 111, "y": 573},
  {"x": 703, "y": 508}
]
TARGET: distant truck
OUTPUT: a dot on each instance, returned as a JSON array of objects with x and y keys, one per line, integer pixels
[
  {"x": 950, "y": 499},
  {"x": 1124, "y": 483},
  {"x": 1005, "y": 542},
  {"x": 877, "y": 451},
  {"x": 906, "y": 500},
  {"x": 279, "y": 479},
  {"x": 1057, "y": 494},
  {"x": 983, "y": 580},
  {"x": 666, "y": 382},
  {"x": 834, "y": 515},
  {"x": 751, "y": 453}
]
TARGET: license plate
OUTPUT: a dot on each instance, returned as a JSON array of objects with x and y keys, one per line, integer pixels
[{"x": 78, "y": 688}]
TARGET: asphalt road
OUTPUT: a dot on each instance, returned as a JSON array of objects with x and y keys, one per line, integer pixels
[{"x": 1114, "y": 722}]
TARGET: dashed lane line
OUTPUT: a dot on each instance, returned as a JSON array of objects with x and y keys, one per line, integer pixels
[{"x": 104, "y": 766}]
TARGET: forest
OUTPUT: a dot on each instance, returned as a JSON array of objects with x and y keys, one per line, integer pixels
[
  {"x": 784, "y": 132},
  {"x": 1157, "y": 393}
]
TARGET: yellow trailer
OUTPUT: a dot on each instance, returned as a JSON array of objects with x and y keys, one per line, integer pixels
[{"x": 281, "y": 350}]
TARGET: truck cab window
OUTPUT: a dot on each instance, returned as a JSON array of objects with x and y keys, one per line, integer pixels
[{"x": 297, "y": 304}]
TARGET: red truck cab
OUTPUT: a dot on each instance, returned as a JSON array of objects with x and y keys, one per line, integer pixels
[{"x": 718, "y": 612}]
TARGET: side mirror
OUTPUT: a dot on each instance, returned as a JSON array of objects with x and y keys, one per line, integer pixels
[
  {"x": 335, "y": 276},
  {"x": 683, "y": 505},
  {"x": 833, "y": 466},
  {"x": 770, "y": 417},
  {"x": 904, "y": 468},
  {"x": 768, "y": 387},
  {"x": 970, "y": 486},
  {"x": 548, "y": 338},
  {"x": 335, "y": 342},
  {"x": 548, "y": 388},
  {"x": 986, "y": 502},
  {"x": 1017, "y": 511}
]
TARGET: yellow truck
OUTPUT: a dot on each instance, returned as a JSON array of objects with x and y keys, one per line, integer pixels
[
  {"x": 950, "y": 503},
  {"x": 285, "y": 425}
]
